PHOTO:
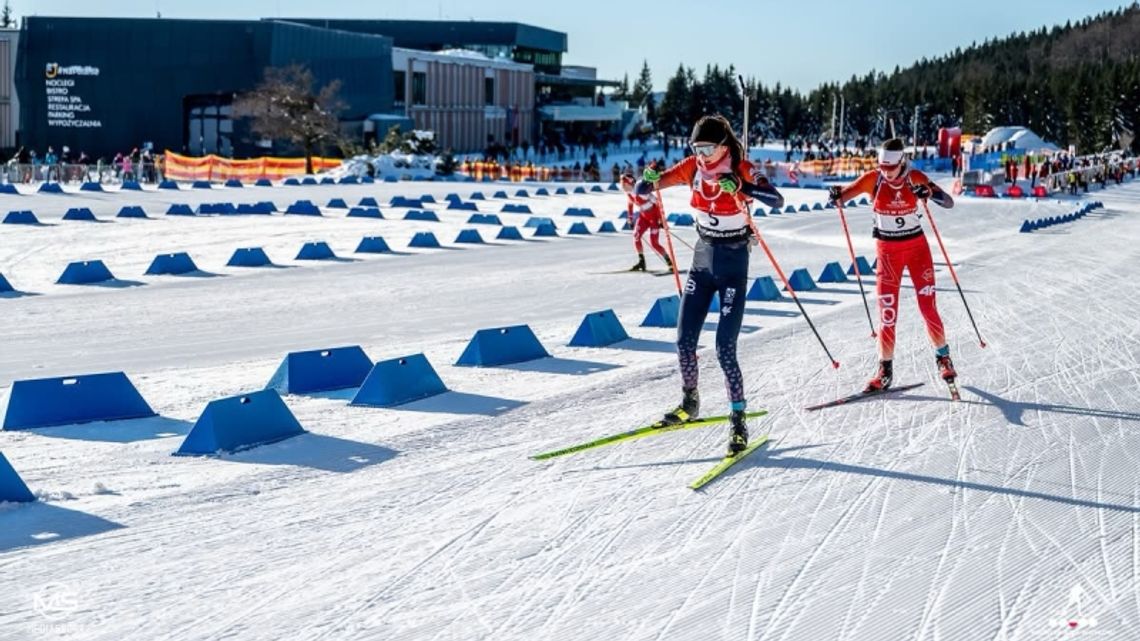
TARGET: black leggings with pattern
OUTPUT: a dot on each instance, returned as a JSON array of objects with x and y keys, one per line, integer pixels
[{"x": 718, "y": 268}]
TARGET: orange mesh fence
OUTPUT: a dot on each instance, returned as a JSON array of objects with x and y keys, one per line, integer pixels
[{"x": 216, "y": 168}]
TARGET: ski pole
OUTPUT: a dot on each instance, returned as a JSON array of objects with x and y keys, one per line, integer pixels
[
  {"x": 855, "y": 265},
  {"x": 668, "y": 239},
  {"x": 776, "y": 265},
  {"x": 953, "y": 274},
  {"x": 682, "y": 241}
]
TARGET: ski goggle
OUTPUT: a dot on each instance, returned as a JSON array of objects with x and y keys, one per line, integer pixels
[{"x": 704, "y": 149}]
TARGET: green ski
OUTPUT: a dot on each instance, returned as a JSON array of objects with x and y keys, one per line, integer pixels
[
  {"x": 642, "y": 432},
  {"x": 726, "y": 463}
]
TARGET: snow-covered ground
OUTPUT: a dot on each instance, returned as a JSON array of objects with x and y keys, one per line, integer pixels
[{"x": 998, "y": 517}]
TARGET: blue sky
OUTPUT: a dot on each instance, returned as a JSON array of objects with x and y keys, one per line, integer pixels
[{"x": 801, "y": 44}]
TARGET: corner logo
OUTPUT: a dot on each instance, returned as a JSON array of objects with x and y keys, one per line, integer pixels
[
  {"x": 55, "y": 601},
  {"x": 1073, "y": 616},
  {"x": 54, "y": 70}
]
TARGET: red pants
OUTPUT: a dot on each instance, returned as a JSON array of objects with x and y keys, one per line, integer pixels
[
  {"x": 914, "y": 255},
  {"x": 639, "y": 228}
]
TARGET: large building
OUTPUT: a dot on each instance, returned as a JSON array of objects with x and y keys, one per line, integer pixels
[{"x": 105, "y": 85}]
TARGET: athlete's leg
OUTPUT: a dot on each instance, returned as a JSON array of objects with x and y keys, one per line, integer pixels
[
  {"x": 921, "y": 267},
  {"x": 888, "y": 276}
]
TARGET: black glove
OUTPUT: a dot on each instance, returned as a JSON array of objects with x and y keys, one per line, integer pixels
[
  {"x": 835, "y": 193},
  {"x": 922, "y": 191}
]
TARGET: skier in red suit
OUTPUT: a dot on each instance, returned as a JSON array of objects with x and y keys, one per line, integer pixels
[
  {"x": 645, "y": 215},
  {"x": 900, "y": 243}
]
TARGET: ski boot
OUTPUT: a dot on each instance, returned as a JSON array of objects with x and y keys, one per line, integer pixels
[
  {"x": 738, "y": 437},
  {"x": 882, "y": 380},
  {"x": 668, "y": 263},
  {"x": 688, "y": 410},
  {"x": 946, "y": 371},
  {"x": 640, "y": 266}
]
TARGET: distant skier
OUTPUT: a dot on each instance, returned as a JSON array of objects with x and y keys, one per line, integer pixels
[
  {"x": 900, "y": 243},
  {"x": 721, "y": 179},
  {"x": 645, "y": 215}
]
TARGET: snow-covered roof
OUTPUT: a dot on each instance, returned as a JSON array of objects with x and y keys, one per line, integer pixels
[
  {"x": 1020, "y": 137},
  {"x": 400, "y": 57}
]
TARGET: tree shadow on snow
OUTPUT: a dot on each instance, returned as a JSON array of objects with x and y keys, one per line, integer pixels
[
  {"x": 316, "y": 451},
  {"x": 30, "y": 524},
  {"x": 778, "y": 313},
  {"x": 807, "y": 301},
  {"x": 127, "y": 431},
  {"x": 554, "y": 365},
  {"x": 17, "y": 294}
]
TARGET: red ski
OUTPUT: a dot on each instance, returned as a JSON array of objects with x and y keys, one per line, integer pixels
[{"x": 863, "y": 395}]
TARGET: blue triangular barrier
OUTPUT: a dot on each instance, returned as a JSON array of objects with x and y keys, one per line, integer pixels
[
  {"x": 9, "y": 188},
  {"x": 90, "y": 186},
  {"x": 851, "y": 204},
  {"x": 373, "y": 245},
  {"x": 790, "y": 209},
  {"x": 424, "y": 239},
  {"x": 337, "y": 203},
  {"x": 764, "y": 288},
  {"x": 584, "y": 212},
  {"x": 502, "y": 346},
  {"x": 864, "y": 267},
  {"x": 664, "y": 312},
  {"x": 249, "y": 257},
  {"x": 509, "y": 208},
  {"x": 292, "y": 182},
  {"x": 261, "y": 208},
  {"x": 521, "y": 194},
  {"x": 864, "y": 201},
  {"x": 239, "y": 423},
  {"x": 579, "y": 190},
  {"x": 21, "y": 218},
  {"x": 173, "y": 264},
  {"x": 477, "y": 195},
  {"x": 11, "y": 487},
  {"x": 817, "y": 207},
  {"x": 427, "y": 198},
  {"x": 561, "y": 191},
  {"x": 399, "y": 381},
  {"x": 545, "y": 230},
  {"x": 775, "y": 211},
  {"x": 168, "y": 184},
  {"x": 452, "y": 197},
  {"x": 368, "y": 201},
  {"x": 596, "y": 189},
  {"x": 79, "y": 213},
  {"x": 180, "y": 210},
  {"x": 50, "y": 188},
  {"x": 321, "y": 370},
  {"x": 348, "y": 180},
  {"x": 714, "y": 304},
  {"x": 541, "y": 191},
  {"x": 579, "y": 229},
  {"x": 509, "y": 233},
  {"x": 303, "y": 208},
  {"x": 263, "y": 182},
  {"x": 607, "y": 228},
  {"x": 626, "y": 226},
  {"x": 328, "y": 180},
  {"x": 317, "y": 250},
  {"x": 469, "y": 236},
  {"x": 5, "y": 286},
  {"x": 801, "y": 281},
  {"x": 235, "y": 183},
  {"x": 130, "y": 185},
  {"x": 67, "y": 400},
  {"x": 391, "y": 179},
  {"x": 804, "y": 207},
  {"x": 686, "y": 220},
  {"x": 201, "y": 184},
  {"x": 364, "y": 212},
  {"x": 85, "y": 272},
  {"x": 462, "y": 206},
  {"x": 500, "y": 194},
  {"x": 613, "y": 187},
  {"x": 421, "y": 215},
  {"x": 832, "y": 273}
]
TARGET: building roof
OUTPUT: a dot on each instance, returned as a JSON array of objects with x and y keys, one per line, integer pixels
[{"x": 445, "y": 34}]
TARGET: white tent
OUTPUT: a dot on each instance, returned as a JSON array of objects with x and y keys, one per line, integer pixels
[{"x": 1018, "y": 138}]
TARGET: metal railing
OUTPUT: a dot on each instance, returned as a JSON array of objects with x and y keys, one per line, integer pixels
[{"x": 71, "y": 173}]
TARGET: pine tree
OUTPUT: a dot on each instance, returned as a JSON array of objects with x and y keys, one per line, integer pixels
[
  {"x": 6, "y": 19},
  {"x": 644, "y": 85}
]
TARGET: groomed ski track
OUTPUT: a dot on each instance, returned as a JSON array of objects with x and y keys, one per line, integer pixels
[{"x": 906, "y": 517}]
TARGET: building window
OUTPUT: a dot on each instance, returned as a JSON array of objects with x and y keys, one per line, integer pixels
[
  {"x": 419, "y": 87},
  {"x": 401, "y": 78},
  {"x": 489, "y": 92}
]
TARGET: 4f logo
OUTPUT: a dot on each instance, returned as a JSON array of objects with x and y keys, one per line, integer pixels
[
  {"x": 729, "y": 295},
  {"x": 926, "y": 291}
]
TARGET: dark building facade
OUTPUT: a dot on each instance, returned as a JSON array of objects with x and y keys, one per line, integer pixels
[
  {"x": 513, "y": 41},
  {"x": 103, "y": 85}
]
